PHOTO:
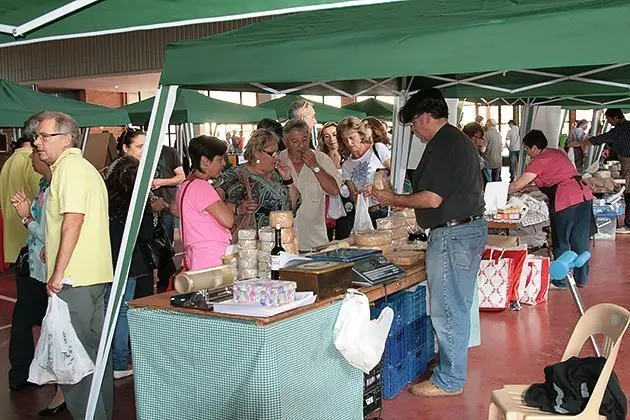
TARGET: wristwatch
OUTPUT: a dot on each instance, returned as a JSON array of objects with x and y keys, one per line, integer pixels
[
  {"x": 316, "y": 169},
  {"x": 25, "y": 220}
]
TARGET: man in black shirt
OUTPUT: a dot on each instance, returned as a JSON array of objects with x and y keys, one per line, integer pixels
[{"x": 448, "y": 199}]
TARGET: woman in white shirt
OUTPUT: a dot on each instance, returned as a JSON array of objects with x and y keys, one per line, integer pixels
[{"x": 365, "y": 159}]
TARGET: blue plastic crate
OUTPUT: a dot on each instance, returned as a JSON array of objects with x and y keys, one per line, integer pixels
[
  {"x": 414, "y": 304},
  {"x": 416, "y": 363},
  {"x": 395, "y": 302},
  {"x": 416, "y": 333},
  {"x": 394, "y": 380},
  {"x": 395, "y": 348}
]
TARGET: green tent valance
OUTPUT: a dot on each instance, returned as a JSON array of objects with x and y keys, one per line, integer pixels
[
  {"x": 194, "y": 107},
  {"x": 373, "y": 108},
  {"x": 323, "y": 113},
  {"x": 17, "y": 103}
]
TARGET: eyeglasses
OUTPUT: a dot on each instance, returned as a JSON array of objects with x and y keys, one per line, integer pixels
[{"x": 46, "y": 136}]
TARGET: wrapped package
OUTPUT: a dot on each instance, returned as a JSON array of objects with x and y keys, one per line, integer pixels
[
  {"x": 246, "y": 234},
  {"x": 248, "y": 264},
  {"x": 400, "y": 233},
  {"x": 389, "y": 223},
  {"x": 263, "y": 255},
  {"x": 248, "y": 244},
  {"x": 248, "y": 254},
  {"x": 287, "y": 235},
  {"x": 399, "y": 243},
  {"x": 282, "y": 219},
  {"x": 267, "y": 234},
  {"x": 265, "y": 246},
  {"x": 230, "y": 259},
  {"x": 247, "y": 274},
  {"x": 291, "y": 248},
  {"x": 270, "y": 293},
  {"x": 373, "y": 238}
]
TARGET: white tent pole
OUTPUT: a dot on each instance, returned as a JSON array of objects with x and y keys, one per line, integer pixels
[
  {"x": 160, "y": 116},
  {"x": 45, "y": 19},
  {"x": 85, "y": 135},
  {"x": 401, "y": 144},
  {"x": 594, "y": 123},
  {"x": 527, "y": 120}
]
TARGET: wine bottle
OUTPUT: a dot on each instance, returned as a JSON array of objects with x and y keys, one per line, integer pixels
[{"x": 275, "y": 255}]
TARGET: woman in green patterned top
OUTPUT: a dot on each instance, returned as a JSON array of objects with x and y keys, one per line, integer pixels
[{"x": 270, "y": 180}]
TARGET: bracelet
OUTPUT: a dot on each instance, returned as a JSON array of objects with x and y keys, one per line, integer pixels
[
  {"x": 288, "y": 181},
  {"x": 235, "y": 209}
]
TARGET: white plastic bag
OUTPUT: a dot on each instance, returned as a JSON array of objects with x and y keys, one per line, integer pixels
[
  {"x": 59, "y": 356},
  {"x": 360, "y": 340},
  {"x": 335, "y": 208},
  {"x": 362, "y": 219}
]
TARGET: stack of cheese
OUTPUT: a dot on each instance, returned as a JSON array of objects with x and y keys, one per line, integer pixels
[
  {"x": 247, "y": 254},
  {"x": 374, "y": 239},
  {"x": 397, "y": 226},
  {"x": 410, "y": 219},
  {"x": 267, "y": 236}
]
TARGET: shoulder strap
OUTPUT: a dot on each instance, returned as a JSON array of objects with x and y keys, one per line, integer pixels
[
  {"x": 376, "y": 152},
  {"x": 181, "y": 211},
  {"x": 242, "y": 176}
]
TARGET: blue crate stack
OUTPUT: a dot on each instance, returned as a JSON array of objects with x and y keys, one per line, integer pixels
[{"x": 410, "y": 343}]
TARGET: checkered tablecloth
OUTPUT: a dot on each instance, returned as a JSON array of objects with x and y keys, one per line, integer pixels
[{"x": 193, "y": 367}]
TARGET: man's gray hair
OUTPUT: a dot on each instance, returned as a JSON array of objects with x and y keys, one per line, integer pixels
[
  {"x": 65, "y": 124},
  {"x": 296, "y": 107},
  {"x": 31, "y": 125},
  {"x": 294, "y": 124}
]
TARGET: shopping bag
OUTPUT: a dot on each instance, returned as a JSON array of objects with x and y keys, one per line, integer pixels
[
  {"x": 534, "y": 285},
  {"x": 59, "y": 356},
  {"x": 335, "y": 208},
  {"x": 499, "y": 277},
  {"x": 361, "y": 341},
  {"x": 362, "y": 220}
]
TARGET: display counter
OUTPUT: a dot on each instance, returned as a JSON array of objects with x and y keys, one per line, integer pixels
[{"x": 195, "y": 364}]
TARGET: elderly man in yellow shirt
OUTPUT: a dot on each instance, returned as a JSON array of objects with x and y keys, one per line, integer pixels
[{"x": 78, "y": 253}]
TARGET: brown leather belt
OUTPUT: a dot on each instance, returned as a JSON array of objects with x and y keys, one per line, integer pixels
[{"x": 457, "y": 222}]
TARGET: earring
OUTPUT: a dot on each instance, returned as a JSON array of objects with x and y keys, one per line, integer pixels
[{"x": 257, "y": 161}]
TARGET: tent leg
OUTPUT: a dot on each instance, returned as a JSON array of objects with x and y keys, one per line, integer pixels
[
  {"x": 527, "y": 121},
  {"x": 590, "y": 156},
  {"x": 84, "y": 135},
  {"x": 401, "y": 144},
  {"x": 564, "y": 119},
  {"x": 158, "y": 124}
]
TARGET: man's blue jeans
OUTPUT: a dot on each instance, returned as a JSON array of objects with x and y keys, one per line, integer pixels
[
  {"x": 453, "y": 256},
  {"x": 120, "y": 343},
  {"x": 513, "y": 161}
]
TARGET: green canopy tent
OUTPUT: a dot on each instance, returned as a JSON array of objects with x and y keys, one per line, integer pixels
[
  {"x": 323, "y": 113},
  {"x": 194, "y": 107},
  {"x": 17, "y": 103},
  {"x": 373, "y": 108}
]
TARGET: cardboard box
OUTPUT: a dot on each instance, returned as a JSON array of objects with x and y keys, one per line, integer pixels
[
  {"x": 503, "y": 241},
  {"x": 100, "y": 150}
]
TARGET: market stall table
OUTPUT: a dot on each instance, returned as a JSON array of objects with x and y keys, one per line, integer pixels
[{"x": 194, "y": 364}]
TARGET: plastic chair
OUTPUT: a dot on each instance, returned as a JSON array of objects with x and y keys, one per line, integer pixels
[{"x": 607, "y": 319}]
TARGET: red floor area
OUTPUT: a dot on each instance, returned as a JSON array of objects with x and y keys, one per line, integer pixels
[{"x": 515, "y": 348}]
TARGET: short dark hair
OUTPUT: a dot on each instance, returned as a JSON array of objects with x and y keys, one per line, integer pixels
[
  {"x": 472, "y": 128},
  {"x": 271, "y": 125},
  {"x": 535, "y": 138},
  {"x": 614, "y": 113},
  {"x": 127, "y": 137},
  {"x": 581, "y": 122},
  {"x": 295, "y": 125},
  {"x": 512, "y": 122},
  {"x": 430, "y": 101},
  {"x": 207, "y": 146}
]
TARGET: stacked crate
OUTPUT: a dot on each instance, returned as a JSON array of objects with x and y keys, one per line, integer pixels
[
  {"x": 410, "y": 343},
  {"x": 373, "y": 390}
]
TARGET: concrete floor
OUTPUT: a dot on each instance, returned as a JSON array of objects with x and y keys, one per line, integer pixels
[{"x": 516, "y": 346}]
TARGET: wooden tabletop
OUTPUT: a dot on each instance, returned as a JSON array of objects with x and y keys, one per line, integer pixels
[
  {"x": 493, "y": 224},
  {"x": 414, "y": 275}
]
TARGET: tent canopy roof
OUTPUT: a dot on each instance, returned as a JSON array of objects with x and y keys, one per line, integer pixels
[
  {"x": 373, "y": 108},
  {"x": 99, "y": 17},
  {"x": 423, "y": 42},
  {"x": 194, "y": 107},
  {"x": 323, "y": 113},
  {"x": 17, "y": 103}
]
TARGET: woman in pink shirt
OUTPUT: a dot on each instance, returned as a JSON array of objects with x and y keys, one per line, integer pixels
[
  {"x": 204, "y": 218},
  {"x": 570, "y": 199}
]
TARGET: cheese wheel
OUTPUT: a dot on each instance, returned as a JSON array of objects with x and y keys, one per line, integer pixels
[
  {"x": 413, "y": 246},
  {"x": 287, "y": 235},
  {"x": 249, "y": 264},
  {"x": 282, "y": 219},
  {"x": 381, "y": 181},
  {"x": 291, "y": 248},
  {"x": 263, "y": 255},
  {"x": 248, "y": 244},
  {"x": 385, "y": 249},
  {"x": 602, "y": 174},
  {"x": 248, "y": 254},
  {"x": 407, "y": 213},
  {"x": 406, "y": 257},
  {"x": 389, "y": 223},
  {"x": 247, "y": 274},
  {"x": 400, "y": 233},
  {"x": 264, "y": 265},
  {"x": 267, "y": 234},
  {"x": 265, "y": 246},
  {"x": 399, "y": 243},
  {"x": 246, "y": 234},
  {"x": 373, "y": 237},
  {"x": 264, "y": 275}
]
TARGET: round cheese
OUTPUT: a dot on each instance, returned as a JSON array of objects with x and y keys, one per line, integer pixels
[
  {"x": 248, "y": 254},
  {"x": 263, "y": 255},
  {"x": 248, "y": 244},
  {"x": 373, "y": 237},
  {"x": 249, "y": 264},
  {"x": 265, "y": 246},
  {"x": 247, "y": 274},
  {"x": 406, "y": 257},
  {"x": 291, "y": 248},
  {"x": 246, "y": 234},
  {"x": 400, "y": 233},
  {"x": 282, "y": 219},
  {"x": 399, "y": 243},
  {"x": 413, "y": 246},
  {"x": 389, "y": 223},
  {"x": 385, "y": 249},
  {"x": 407, "y": 213},
  {"x": 267, "y": 234},
  {"x": 288, "y": 235}
]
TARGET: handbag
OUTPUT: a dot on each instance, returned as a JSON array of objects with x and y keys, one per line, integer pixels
[
  {"x": 160, "y": 249},
  {"x": 498, "y": 278},
  {"x": 184, "y": 266},
  {"x": 534, "y": 285},
  {"x": 243, "y": 221},
  {"x": 22, "y": 267}
]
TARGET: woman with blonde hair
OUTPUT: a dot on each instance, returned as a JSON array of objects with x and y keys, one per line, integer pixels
[
  {"x": 365, "y": 159},
  {"x": 269, "y": 180}
]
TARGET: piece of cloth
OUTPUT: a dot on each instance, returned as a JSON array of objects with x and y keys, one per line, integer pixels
[
  {"x": 140, "y": 264},
  {"x": 310, "y": 220},
  {"x": 17, "y": 173},
  {"x": 618, "y": 138},
  {"x": 568, "y": 386},
  {"x": 28, "y": 311},
  {"x": 513, "y": 159},
  {"x": 168, "y": 162},
  {"x": 87, "y": 314},
  {"x": 553, "y": 167},
  {"x": 449, "y": 168},
  {"x": 269, "y": 196},
  {"x": 513, "y": 139},
  {"x": 570, "y": 231},
  {"x": 37, "y": 233},
  {"x": 452, "y": 260},
  {"x": 361, "y": 171},
  {"x": 77, "y": 187},
  {"x": 120, "y": 343},
  {"x": 205, "y": 239},
  {"x": 492, "y": 156}
]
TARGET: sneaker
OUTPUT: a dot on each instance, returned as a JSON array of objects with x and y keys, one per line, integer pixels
[
  {"x": 623, "y": 230},
  {"x": 119, "y": 374}
]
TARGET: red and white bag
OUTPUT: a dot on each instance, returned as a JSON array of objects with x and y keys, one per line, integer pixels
[
  {"x": 534, "y": 285},
  {"x": 499, "y": 277}
]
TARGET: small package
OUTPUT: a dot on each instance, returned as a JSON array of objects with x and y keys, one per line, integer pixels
[{"x": 269, "y": 293}]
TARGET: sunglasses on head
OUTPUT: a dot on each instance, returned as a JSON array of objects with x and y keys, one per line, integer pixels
[{"x": 271, "y": 154}]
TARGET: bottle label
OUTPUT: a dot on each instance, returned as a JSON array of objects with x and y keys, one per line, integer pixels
[{"x": 275, "y": 262}]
